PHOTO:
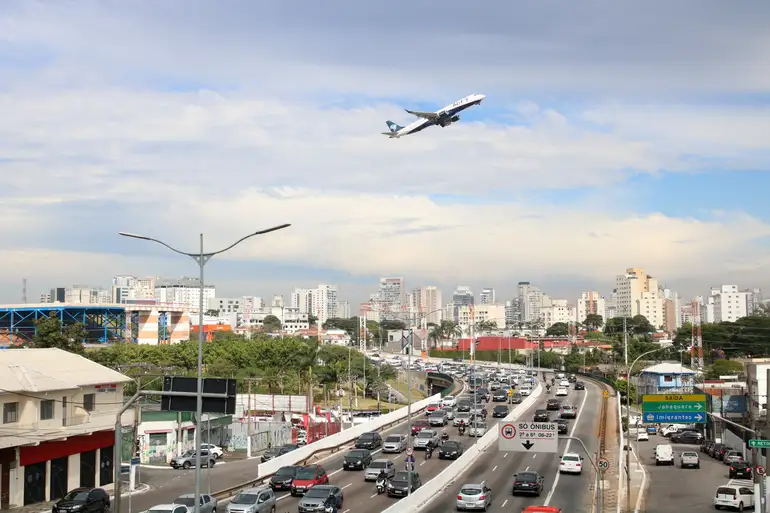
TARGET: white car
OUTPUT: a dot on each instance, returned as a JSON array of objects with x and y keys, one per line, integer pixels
[
  {"x": 449, "y": 401},
  {"x": 734, "y": 496},
  {"x": 214, "y": 450},
  {"x": 524, "y": 391},
  {"x": 562, "y": 391},
  {"x": 571, "y": 463},
  {"x": 564, "y": 383},
  {"x": 478, "y": 429},
  {"x": 642, "y": 436}
]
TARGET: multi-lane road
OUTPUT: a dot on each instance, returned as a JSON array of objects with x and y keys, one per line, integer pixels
[
  {"x": 568, "y": 492},
  {"x": 359, "y": 495}
]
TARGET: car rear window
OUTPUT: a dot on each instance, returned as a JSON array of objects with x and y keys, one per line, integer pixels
[
  {"x": 378, "y": 464},
  {"x": 394, "y": 438},
  {"x": 571, "y": 458},
  {"x": 470, "y": 490},
  {"x": 726, "y": 491}
]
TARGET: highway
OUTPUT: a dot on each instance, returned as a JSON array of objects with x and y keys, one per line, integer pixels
[
  {"x": 358, "y": 493},
  {"x": 568, "y": 492}
]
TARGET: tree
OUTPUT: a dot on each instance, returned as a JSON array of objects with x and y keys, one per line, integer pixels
[
  {"x": 640, "y": 325},
  {"x": 271, "y": 323},
  {"x": 49, "y": 333},
  {"x": 557, "y": 329},
  {"x": 312, "y": 319},
  {"x": 723, "y": 368},
  {"x": 388, "y": 325},
  {"x": 621, "y": 386},
  {"x": 486, "y": 326},
  {"x": 593, "y": 322}
]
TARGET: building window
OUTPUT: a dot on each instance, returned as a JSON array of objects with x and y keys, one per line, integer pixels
[
  {"x": 46, "y": 409},
  {"x": 10, "y": 413},
  {"x": 89, "y": 402}
]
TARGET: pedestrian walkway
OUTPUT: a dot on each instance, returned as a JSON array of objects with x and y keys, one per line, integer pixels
[
  {"x": 45, "y": 507},
  {"x": 610, "y": 492}
]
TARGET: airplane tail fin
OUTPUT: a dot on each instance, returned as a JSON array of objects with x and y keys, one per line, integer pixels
[{"x": 393, "y": 127}]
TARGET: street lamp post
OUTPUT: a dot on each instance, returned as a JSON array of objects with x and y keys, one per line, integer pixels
[
  {"x": 628, "y": 416},
  {"x": 201, "y": 258}
]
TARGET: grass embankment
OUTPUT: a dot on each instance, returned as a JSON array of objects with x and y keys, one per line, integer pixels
[{"x": 370, "y": 403}]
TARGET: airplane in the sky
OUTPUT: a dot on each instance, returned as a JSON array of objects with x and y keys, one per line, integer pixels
[{"x": 443, "y": 117}]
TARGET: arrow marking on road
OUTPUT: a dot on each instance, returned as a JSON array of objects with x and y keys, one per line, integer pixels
[{"x": 528, "y": 445}]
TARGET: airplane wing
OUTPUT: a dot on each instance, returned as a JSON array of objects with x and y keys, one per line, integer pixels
[{"x": 432, "y": 116}]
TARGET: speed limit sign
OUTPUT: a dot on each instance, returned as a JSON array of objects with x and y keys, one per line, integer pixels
[
  {"x": 760, "y": 470},
  {"x": 603, "y": 464}
]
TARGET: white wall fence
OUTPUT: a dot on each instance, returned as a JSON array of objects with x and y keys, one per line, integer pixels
[{"x": 264, "y": 435}]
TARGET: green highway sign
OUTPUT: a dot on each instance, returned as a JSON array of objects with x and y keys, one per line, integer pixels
[
  {"x": 675, "y": 407},
  {"x": 680, "y": 408},
  {"x": 759, "y": 444}
]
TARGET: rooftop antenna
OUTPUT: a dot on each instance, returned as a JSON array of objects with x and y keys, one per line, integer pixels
[{"x": 24, "y": 291}]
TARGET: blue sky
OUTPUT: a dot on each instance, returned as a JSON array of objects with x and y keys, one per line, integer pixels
[{"x": 613, "y": 135}]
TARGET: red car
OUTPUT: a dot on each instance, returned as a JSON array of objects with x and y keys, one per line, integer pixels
[
  {"x": 541, "y": 509},
  {"x": 308, "y": 477},
  {"x": 419, "y": 425},
  {"x": 433, "y": 407}
]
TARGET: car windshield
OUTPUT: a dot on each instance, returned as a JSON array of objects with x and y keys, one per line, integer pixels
[
  {"x": 480, "y": 425},
  {"x": 395, "y": 439},
  {"x": 366, "y": 436},
  {"x": 158, "y": 511},
  {"x": 689, "y": 454},
  {"x": 437, "y": 413},
  {"x": 306, "y": 473},
  {"x": 569, "y": 457},
  {"x": 273, "y": 451},
  {"x": 401, "y": 477},
  {"x": 451, "y": 445},
  {"x": 318, "y": 493},
  {"x": 76, "y": 495},
  {"x": 356, "y": 454},
  {"x": 188, "y": 454},
  {"x": 425, "y": 434},
  {"x": 378, "y": 464},
  {"x": 186, "y": 501},
  {"x": 526, "y": 477},
  {"x": 470, "y": 490},
  {"x": 286, "y": 471},
  {"x": 245, "y": 498}
]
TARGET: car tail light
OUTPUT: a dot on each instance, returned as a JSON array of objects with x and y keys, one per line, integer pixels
[
  {"x": 482, "y": 497},
  {"x": 731, "y": 468},
  {"x": 459, "y": 497},
  {"x": 561, "y": 463}
]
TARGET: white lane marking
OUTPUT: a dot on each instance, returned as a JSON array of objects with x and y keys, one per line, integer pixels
[
  {"x": 349, "y": 484},
  {"x": 494, "y": 468},
  {"x": 526, "y": 469},
  {"x": 282, "y": 497},
  {"x": 504, "y": 503},
  {"x": 346, "y": 511},
  {"x": 335, "y": 472},
  {"x": 566, "y": 449},
  {"x": 505, "y": 455},
  {"x": 534, "y": 456},
  {"x": 423, "y": 463}
]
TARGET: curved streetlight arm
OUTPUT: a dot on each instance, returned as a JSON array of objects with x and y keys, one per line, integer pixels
[
  {"x": 261, "y": 232},
  {"x": 144, "y": 237}
]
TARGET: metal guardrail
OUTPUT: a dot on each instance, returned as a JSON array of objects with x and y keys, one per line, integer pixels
[{"x": 234, "y": 490}]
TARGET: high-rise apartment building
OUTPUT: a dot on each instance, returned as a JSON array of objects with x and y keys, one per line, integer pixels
[
  {"x": 487, "y": 296},
  {"x": 183, "y": 291},
  {"x": 430, "y": 303},
  {"x": 557, "y": 310},
  {"x": 343, "y": 309},
  {"x": 754, "y": 301},
  {"x": 86, "y": 295},
  {"x": 321, "y": 302},
  {"x": 630, "y": 287},
  {"x": 463, "y": 296},
  {"x": 590, "y": 303},
  {"x": 531, "y": 298},
  {"x": 729, "y": 304},
  {"x": 127, "y": 288}
]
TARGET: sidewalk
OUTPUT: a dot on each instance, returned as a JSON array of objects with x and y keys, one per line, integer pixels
[
  {"x": 45, "y": 507},
  {"x": 609, "y": 484}
]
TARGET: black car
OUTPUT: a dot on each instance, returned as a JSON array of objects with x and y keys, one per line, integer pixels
[
  {"x": 450, "y": 450},
  {"x": 579, "y": 385},
  {"x": 275, "y": 452},
  {"x": 541, "y": 416},
  {"x": 399, "y": 484},
  {"x": 357, "y": 459},
  {"x": 516, "y": 398},
  {"x": 484, "y": 395},
  {"x": 740, "y": 469},
  {"x": 687, "y": 437},
  {"x": 563, "y": 426},
  {"x": 87, "y": 500},
  {"x": 500, "y": 411},
  {"x": 282, "y": 479},
  {"x": 528, "y": 482},
  {"x": 464, "y": 406},
  {"x": 705, "y": 445},
  {"x": 553, "y": 404},
  {"x": 572, "y": 378},
  {"x": 370, "y": 440},
  {"x": 499, "y": 396}
]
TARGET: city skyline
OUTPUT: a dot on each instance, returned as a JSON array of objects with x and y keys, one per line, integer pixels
[{"x": 210, "y": 119}]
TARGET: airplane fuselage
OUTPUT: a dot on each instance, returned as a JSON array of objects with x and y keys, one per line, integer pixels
[{"x": 443, "y": 117}]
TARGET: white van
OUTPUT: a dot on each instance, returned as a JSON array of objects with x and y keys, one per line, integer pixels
[{"x": 664, "y": 455}]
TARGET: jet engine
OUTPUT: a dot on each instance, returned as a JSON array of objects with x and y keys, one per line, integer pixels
[{"x": 448, "y": 121}]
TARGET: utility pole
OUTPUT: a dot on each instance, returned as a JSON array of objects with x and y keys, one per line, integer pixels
[
  {"x": 628, "y": 417},
  {"x": 248, "y": 425},
  {"x": 409, "y": 442}
]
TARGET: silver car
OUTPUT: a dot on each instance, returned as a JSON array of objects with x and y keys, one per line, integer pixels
[
  {"x": 462, "y": 417},
  {"x": 208, "y": 503},
  {"x": 733, "y": 457},
  {"x": 394, "y": 443},
  {"x": 450, "y": 412},
  {"x": 319, "y": 497},
  {"x": 373, "y": 471},
  {"x": 479, "y": 428},
  {"x": 438, "y": 418},
  {"x": 253, "y": 500},
  {"x": 424, "y": 437},
  {"x": 474, "y": 496}
]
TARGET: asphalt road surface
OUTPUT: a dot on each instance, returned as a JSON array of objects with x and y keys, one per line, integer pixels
[
  {"x": 568, "y": 492},
  {"x": 356, "y": 491},
  {"x": 674, "y": 489}
]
